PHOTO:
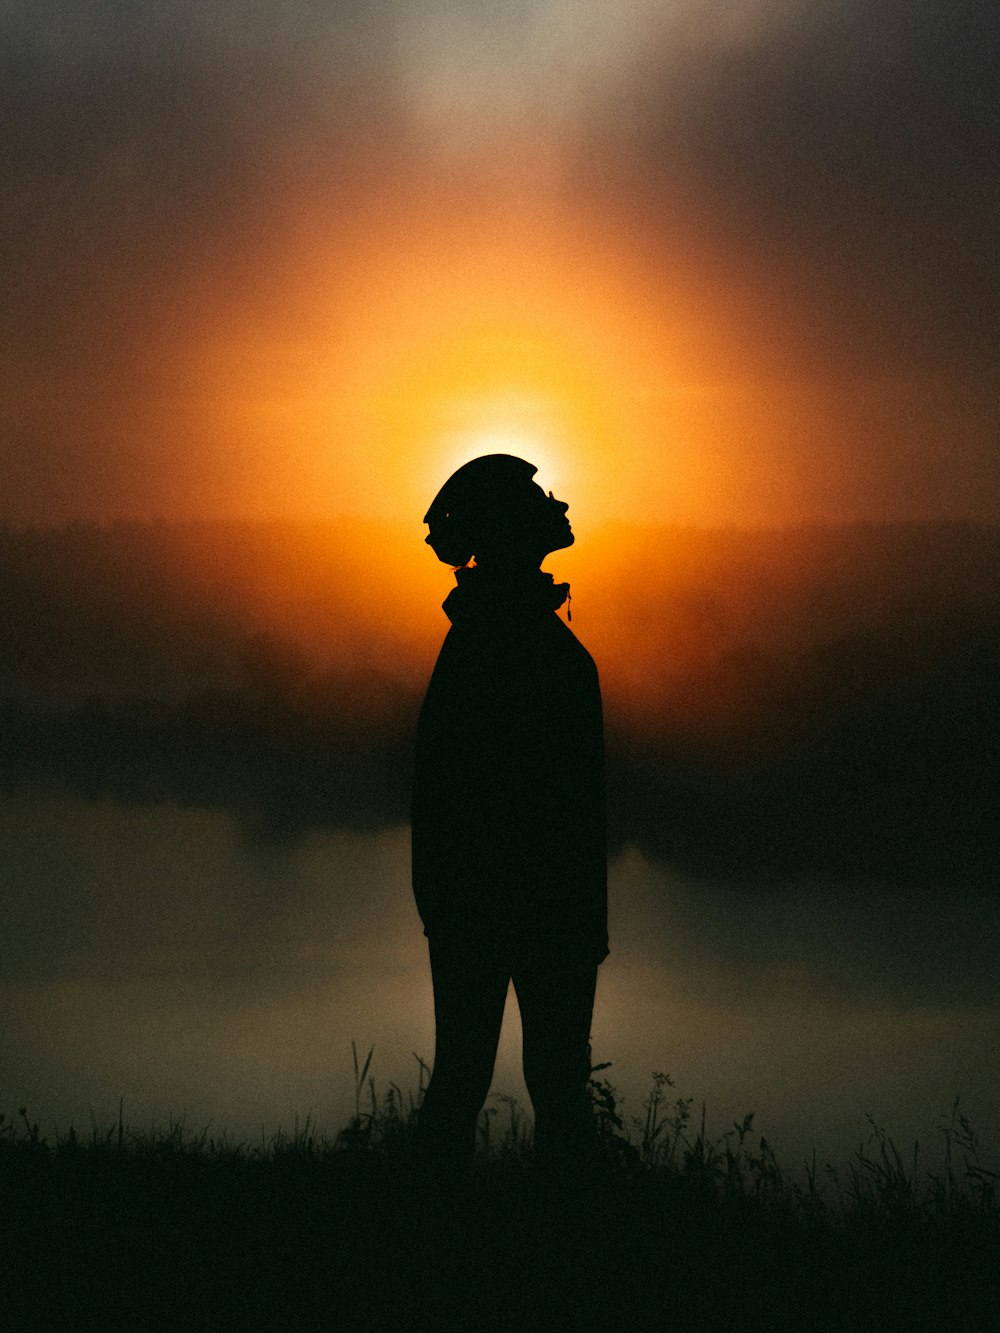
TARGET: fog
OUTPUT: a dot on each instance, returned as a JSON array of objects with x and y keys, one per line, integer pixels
[
  {"x": 157, "y": 956},
  {"x": 781, "y": 706},
  {"x": 204, "y": 863}
]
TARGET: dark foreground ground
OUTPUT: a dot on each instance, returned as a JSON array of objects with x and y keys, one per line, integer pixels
[{"x": 166, "y": 1233}]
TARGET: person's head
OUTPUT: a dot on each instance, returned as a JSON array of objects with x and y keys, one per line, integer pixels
[{"x": 491, "y": 509}]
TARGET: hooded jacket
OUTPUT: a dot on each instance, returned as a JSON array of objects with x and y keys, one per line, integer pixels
[{"x": 508, "y": 813}]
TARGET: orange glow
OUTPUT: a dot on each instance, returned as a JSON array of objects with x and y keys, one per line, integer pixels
[
  {"x": 423, "y": 342},
  {"x": 470, "y": 347},
  {"x": 385, "y": 367},
  {"x": 354, "y": 386}
]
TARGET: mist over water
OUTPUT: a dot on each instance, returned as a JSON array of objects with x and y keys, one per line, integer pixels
[
  {"x": 166, "y": 957},
  {"x": 204, "y": 862}
]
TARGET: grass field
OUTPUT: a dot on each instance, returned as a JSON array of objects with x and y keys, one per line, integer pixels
[{"x": 118, "y": 1229}]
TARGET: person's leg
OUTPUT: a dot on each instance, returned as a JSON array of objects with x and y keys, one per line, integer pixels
[
  {"x": 470, "y": 989},
  {"x": 556, "y": 999}
]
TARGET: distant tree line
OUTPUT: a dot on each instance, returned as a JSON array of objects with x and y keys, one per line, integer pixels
[{"x": 845, "y": 744}]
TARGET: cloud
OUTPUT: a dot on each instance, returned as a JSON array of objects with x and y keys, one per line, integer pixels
[
  {"x": 803, "y": 196},
  {"x": 857, "y": 138},
  {"x": 839, "y": 164}
]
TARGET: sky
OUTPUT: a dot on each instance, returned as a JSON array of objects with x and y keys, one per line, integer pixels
[{"x": 723, "y": 263}]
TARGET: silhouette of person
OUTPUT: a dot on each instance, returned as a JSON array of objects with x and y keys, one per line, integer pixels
[{"x": 508, "y": 816}]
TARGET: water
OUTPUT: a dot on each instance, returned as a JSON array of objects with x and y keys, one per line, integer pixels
[{"x": 168, "y": 958}]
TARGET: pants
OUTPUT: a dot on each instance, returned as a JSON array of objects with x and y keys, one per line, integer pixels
[{"x": 555, "y": 995}]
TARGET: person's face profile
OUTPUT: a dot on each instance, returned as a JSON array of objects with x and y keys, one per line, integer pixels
[{"x": 553, "y": 524}]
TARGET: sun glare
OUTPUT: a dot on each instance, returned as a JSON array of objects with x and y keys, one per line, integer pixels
[
  {"x": 444, "y": 343},
  {"x": 467, "y": 341},
  {"x": 533, "y": 446}
]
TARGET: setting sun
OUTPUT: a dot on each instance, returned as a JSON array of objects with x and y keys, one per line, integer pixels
[{"x": 544, "y": 351}]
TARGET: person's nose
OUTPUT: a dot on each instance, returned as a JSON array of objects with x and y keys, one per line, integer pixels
[{"x": 561, "y": 503}]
